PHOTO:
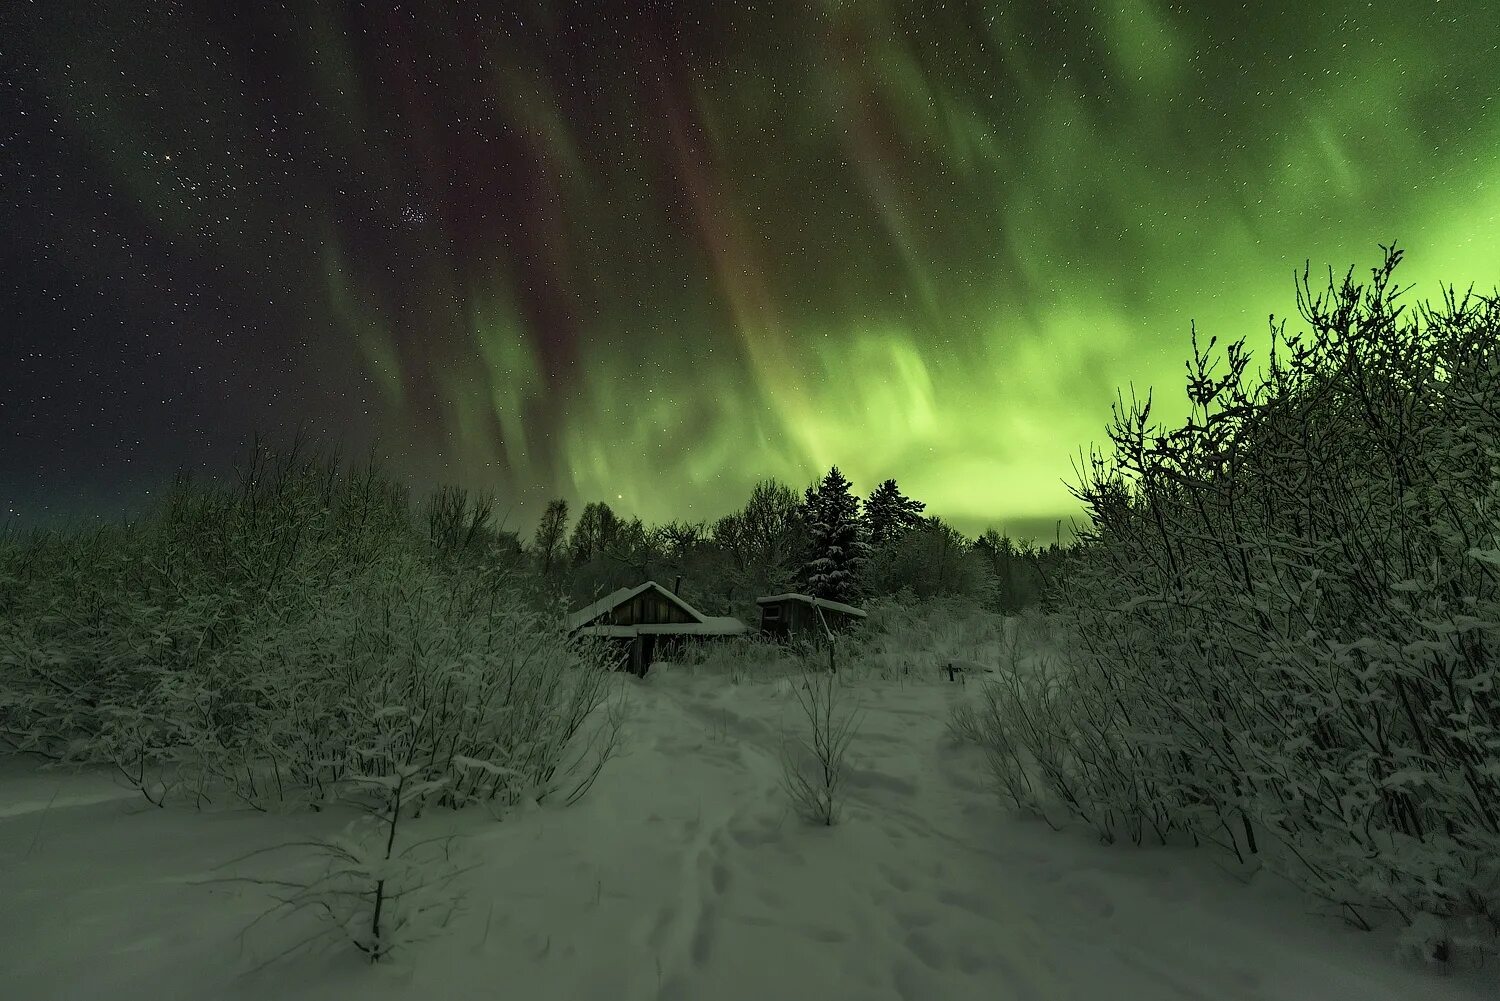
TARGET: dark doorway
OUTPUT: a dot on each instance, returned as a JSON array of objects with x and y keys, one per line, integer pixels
[{"x": 647, "y": 654}]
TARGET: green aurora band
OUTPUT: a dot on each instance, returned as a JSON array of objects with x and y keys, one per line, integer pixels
[{"x": 913, "y": 239}]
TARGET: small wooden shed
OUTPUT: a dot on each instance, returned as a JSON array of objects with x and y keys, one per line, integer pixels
[
  {"x": 787, "y": 615},
  {"x": 647, "y": 619}
]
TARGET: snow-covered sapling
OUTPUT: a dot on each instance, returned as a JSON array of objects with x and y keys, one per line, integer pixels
[
  {"x": 813, "y": 772},
  {"x": 370, "y": 890}
]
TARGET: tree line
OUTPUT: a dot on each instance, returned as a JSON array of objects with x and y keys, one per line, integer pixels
[{"x": 826, "y": 541}]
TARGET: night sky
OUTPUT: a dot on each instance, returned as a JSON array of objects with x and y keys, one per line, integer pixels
[{"x": 652, "y": 252}]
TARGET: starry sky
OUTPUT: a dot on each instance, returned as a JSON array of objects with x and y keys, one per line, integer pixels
[{"x": 652, "y": 252}]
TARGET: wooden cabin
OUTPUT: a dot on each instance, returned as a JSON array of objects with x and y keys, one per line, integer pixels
[
  {"x": 784, "y": 616},
  {"x": 646, "y": 621}
]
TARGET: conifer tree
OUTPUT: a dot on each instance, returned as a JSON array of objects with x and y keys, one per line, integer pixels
[
  {"x": 890, "y": 514},
  {"x": 836, "y": 534}
]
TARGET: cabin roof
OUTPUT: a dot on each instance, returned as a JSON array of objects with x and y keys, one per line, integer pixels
[
  {"x": 807, "y": 599},
  {"x": 712, "y": 625},
  {"x": 584, "y": 616}
]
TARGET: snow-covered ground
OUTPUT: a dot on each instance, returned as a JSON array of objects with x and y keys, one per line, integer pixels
[{"x": 683, "y": 875}]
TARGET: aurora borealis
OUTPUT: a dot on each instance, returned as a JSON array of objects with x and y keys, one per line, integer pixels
[{"x": 653, "y": 252}]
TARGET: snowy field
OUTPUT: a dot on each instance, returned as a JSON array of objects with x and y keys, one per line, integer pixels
[{"x": 684, "y": 875}]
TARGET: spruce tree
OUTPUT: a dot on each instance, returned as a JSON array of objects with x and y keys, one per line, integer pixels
[
  {"x": 890, "y": 514},
  {"x": 836, "y": 533}
]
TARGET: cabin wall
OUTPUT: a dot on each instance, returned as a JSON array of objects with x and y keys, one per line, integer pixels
[
  {"x": 780, "y": 625},
  {"x": 798, "y": 618},
  {"x": 795, "y": 617},
  {"x": 647, "y": 607}
]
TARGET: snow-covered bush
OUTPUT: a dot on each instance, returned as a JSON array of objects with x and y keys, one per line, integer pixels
[
  {"x": 904, "y": 637},
  {"x": 964, "y": 726},
  {"x": 1282, "y": 624},
  {"x": 750, "y": 657},
  {"x": 267, "y": 641}
]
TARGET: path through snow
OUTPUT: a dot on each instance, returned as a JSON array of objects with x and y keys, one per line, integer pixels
[{"x": 683, "y": 876}]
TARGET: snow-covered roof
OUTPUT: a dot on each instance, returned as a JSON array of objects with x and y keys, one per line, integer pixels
[
  {"x": 584, "y": 616},
  {"x": 726, "y": 624},
  {"x": 713, "y": 625},
  {"x": 807, "y": 599}
]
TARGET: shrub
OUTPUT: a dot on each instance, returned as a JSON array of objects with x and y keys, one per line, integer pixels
[
  {"x": 813, "y": 770},
  {"x": 265, "y": 642},
  {"x": 1284, "y": 614},
  {"x": 905, "y": 637}
]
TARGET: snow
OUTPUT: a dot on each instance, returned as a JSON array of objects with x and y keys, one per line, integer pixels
[
  {"x": 807, "y": 599},
  {"x": 725, "y": 624},
  {"x": 683, "y": 876},
  {"x": 712, "y": 625},
  {"x": 29, "y": 790}
]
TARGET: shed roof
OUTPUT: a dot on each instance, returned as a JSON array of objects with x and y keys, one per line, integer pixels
[
  {"x": 584, "y": 616},
  {"x": 807, "y": 599}
]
